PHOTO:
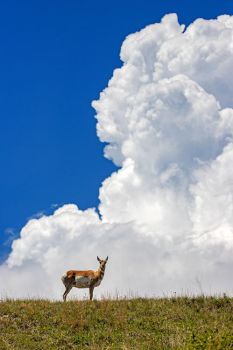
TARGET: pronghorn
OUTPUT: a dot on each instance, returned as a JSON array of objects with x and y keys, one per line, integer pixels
[{"x": 84, "y": 279}]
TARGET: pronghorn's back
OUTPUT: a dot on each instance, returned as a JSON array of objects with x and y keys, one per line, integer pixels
[{"x": 74, "y": 273}]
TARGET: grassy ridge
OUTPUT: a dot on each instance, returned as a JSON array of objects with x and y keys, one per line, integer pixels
[{"x": 175, "y": 323}]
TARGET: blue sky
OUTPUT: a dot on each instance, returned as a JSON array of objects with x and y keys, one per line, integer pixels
[{"x": 56, "y": 58}]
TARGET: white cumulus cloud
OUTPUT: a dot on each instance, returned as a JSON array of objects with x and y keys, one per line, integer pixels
[{"x": 166, "y": 216}]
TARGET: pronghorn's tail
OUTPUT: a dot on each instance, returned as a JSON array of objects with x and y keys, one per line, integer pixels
[{"x": 64, "y": 279}]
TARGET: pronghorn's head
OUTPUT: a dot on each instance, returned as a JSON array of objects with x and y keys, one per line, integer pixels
[{"x": 102, "y": 261}]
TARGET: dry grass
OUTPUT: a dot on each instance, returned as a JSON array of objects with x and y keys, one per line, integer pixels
[{"x": 168, "y": 323}]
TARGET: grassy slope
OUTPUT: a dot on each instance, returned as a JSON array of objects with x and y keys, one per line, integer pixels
[{"x": 177, "y": 323}]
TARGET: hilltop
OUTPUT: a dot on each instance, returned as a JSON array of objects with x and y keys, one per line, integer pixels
[{"x": 166, "y": 323}]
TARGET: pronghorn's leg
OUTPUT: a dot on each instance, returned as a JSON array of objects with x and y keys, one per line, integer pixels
[
  {"x": 68, "y": 289},
  {"x": 91, "y": 292}
]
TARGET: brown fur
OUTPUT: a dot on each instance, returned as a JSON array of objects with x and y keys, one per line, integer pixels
[{"x": 86, "y": 273}]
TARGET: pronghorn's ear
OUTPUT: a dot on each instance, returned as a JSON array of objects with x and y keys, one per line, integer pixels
[
  {"x": 106, "y": 259},
  {"x": 98, "y": 259}
]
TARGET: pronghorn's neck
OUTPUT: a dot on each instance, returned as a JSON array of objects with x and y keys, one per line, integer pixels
[{"x": 101, "y": 271}]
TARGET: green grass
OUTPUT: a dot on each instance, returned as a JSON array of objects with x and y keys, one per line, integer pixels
[{"x": 168, "y": 323}]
